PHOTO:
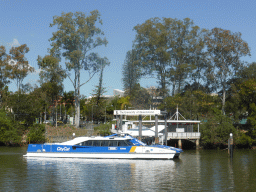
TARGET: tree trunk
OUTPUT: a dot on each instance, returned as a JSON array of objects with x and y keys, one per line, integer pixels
[
  {"x": 223, "y": 100},
  {"x": 77, "y": 99},
  {"x": 173, "y": 88}
]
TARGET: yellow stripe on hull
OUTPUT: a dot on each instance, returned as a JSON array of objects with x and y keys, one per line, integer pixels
[{"x": 132, "y": 149}]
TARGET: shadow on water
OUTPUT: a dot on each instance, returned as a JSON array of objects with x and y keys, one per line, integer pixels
[{"x": 186, "y": 144}]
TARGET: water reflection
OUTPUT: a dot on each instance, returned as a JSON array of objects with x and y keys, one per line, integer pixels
[
  {"x": 75, "y": 174},
  {"x": 194, "y": 171}
]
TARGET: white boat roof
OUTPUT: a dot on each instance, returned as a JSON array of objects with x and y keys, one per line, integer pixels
[{"x": 82, "y": 139}]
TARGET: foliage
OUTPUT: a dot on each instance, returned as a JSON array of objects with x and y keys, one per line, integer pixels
[
  {"x": 216, "y": 131},
  {"x": 36, "y": 133},
  {"x": 76, "y": 37},
  {"x": 9, "y": 134},
  {"x": 51, "y": 77},
  {"x": 18, "y": 64},
  {"x": 26, "y": 107},
  {"x": 226, "y": 49},
  {"x": 170, "y": 48},
  {"x": 104, "y": 129},
  {"x": 131, "y": 71},
  {"x": 247, "y": 93},
  {"x": 152, "y": 46},
  {"x": 100, "y": 90},
  {"x": 4, "y": 72},
  {"x": 123, "y": 103},
  {"x": 140, "y": 98},
  {"x": 244, "y": 141},
  {"x": 192, "y": 104}
]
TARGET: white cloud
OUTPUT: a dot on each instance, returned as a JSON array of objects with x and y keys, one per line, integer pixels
[{"x": 14, "y": 43}]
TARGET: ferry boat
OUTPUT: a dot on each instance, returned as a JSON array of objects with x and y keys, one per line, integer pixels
[{"x": 116, "y": 146}]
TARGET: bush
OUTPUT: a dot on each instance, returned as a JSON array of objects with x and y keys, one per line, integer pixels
[
  {"x": 104, "y": 129},
  {"x": 244, "y": 141},
  {"x": 36, "y": 134},
  {"x": 216, "y": 131},
  {"x": 9, "y": 134}
]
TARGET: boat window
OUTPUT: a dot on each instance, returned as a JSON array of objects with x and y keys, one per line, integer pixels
[
  {"x": 128, "y": 142},
  {"x": 113, "y": 143},
  {"x": 122, "y": 143},
  {"x": 89, "y": 143},
  {"x": 96, "y": 143},
  {"x": 104, "y": 143}
]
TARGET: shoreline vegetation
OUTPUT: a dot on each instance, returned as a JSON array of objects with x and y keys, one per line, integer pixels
[
  {"x": 40, "y": 133},
  {"x": 201, "y": 71}
]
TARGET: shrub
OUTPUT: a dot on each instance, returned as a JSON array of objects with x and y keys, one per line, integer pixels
[
  {"x": 244, "y": 141},
  {"x": 9, "y": 134},
  {"x": 36, "y": 134}
]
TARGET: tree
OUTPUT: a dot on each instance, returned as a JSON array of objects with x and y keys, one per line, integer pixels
[
  {"x": 9, "y": 134},
  {"x": 151, "y": 43},
  {"x": 192, "y": 105},
  {"x": 198, "y": 58},
  {"x": 131, "y": 71},
  {"x": 68, "y": 101},
  {"x": 247, "y": 72},
  {"x": 76, "y": 37},
  {"x": 3, "y": 68},
  {"x": 51, "y": 76},
  {"x": 172, "y": 49},
  {"x": 27, "y": 107},
  {"x": 216, "y": 131},
  {"x": 247, "y": 93},
  {"x": 98, "y": 92},
  {"x": 186, "y": 46},
  {"x": 140, "y": 97},
  {"x": 226, "y": 49},
  {"x": 19, "y": 64}
]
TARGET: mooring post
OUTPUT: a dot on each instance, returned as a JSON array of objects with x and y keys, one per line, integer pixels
[
  {"x": 231, "y": 145},
  {"x": 156, "y": 129},
  {"x": 140, "y": 127},
  {"x": 166, "y": 131},
  {"x": 121, "y": 123}
]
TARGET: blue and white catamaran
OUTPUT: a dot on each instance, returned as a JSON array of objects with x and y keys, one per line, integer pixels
[{"x": 116, "y": 146}]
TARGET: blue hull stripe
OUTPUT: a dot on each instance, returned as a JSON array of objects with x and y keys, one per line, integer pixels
[{"x": 76, "y": 149}]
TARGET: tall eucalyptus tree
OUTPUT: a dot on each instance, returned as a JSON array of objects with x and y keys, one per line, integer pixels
[
  {"x": 76, "y": 38},
  {"x": 151, "y": 43},
  {"x": 226, "y": 49},
  {"x": 18, "y": 64}
]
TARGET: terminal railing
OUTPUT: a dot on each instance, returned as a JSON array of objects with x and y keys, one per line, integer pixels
[{"x": 184, "y": 135}]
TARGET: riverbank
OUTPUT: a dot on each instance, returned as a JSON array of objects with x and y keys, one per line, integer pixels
[{"x": 65, "y": 132}]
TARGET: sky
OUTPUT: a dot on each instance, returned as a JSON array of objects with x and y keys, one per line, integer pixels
[{"x": 27, "y": 22}]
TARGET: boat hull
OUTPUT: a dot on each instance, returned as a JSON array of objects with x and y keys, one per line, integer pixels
[
  {"x": 104, "y": 155},
  {"x": 122, "y": 152}
]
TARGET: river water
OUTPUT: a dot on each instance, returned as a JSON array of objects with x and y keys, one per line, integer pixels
[{"x": 201, "y": 170}]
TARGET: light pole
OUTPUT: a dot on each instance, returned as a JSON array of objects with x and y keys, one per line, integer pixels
[
  {"x": 92, "y": 112},
  {"x": 105, "y": 114}
]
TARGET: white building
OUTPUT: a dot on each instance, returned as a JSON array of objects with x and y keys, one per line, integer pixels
[{"x": 118, "y": 92}]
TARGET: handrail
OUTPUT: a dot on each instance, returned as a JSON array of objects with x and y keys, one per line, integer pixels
[{"x": 184, "y": 135}]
